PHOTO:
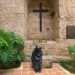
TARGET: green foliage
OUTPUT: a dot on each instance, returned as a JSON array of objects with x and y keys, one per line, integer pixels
[
  {"x": 11, "y": 50},
  {"x": 69, "y": 65},
  {"x": 72, "y": 51}
]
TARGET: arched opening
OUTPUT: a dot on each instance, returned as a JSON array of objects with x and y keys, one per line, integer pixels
[{"x": 49, "y": 26}]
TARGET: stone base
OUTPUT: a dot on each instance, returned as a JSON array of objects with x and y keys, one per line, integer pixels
[{"x": 48, "y": 47}]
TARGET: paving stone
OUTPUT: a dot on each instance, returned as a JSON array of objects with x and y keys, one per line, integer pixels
[{"x": 55, "y": 70}]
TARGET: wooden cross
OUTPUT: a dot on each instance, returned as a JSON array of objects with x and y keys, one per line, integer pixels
[{"x": 40, "y": 11}]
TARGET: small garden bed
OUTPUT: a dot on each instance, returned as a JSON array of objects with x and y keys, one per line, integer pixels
[{"x": 68, "y": 65}]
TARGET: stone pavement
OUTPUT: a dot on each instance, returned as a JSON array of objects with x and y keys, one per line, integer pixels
[
  {"x": 55, "y": 70},
  {"x": 26, "y": 69}
]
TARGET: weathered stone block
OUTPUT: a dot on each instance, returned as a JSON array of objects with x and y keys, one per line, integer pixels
[
  {"x": 13, "y": 22},
  {"x": 12, "y": 6}
]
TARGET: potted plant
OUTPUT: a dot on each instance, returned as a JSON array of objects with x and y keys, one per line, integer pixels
[{"x": 11, "y": 50}]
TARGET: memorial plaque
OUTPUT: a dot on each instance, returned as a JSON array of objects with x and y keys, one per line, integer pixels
[{"x": 70, "y": 32}]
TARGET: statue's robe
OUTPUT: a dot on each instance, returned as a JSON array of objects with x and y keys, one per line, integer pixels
[{"x": 37, "y": 59}]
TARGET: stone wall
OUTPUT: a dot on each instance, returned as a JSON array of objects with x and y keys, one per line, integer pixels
[
  {"x": 66, "y": 16},
  {"x": 70, "y": 9},
  {"x": 13, "y": 15},
  {"x": 55, "y": 19},
  {"x": 62, "y": 19}
]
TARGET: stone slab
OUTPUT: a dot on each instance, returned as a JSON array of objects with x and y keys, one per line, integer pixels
[
  {"x": 13, "y": 22},
  {"x": 12, "y": 6}
]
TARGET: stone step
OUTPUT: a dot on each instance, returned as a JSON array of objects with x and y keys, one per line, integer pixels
[
  {"x": 49, "y": 60},
  {"x": 49, "y": 52},
  {"x": 48, "y": 47}
]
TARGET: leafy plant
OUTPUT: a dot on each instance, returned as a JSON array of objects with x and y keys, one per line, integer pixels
[
  {"x": 11, "y": 50},
  {"x": 69, "y": 64},
  {"x": 72, "y": 51}
]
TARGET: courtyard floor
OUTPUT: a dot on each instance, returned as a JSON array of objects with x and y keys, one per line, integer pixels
[
  {"x": 26, "y": 69},
  {"x": 55, "y": 70}
]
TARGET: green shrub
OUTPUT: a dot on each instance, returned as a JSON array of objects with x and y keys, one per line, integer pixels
[
  {"x": 72, "y": 52},
  {"x": 69, "y": 64},
  {"x": 11, "y": 50}
]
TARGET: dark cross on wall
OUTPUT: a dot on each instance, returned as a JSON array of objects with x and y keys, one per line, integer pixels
[{"x": 40, "y": 11}]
